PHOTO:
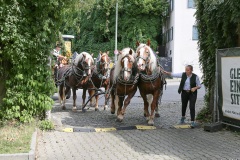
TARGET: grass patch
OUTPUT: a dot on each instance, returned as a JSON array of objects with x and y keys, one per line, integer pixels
[
  {"x": 46, "y": 125},
  {"x": 15, "y": 137}
]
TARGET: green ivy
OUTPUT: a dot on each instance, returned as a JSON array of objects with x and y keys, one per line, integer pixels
[
  {"x": 28, "y": 32},
  {"x": 218, "y": 23}
]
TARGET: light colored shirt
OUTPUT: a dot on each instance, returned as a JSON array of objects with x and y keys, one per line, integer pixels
[{"x": 187, "y": 85}]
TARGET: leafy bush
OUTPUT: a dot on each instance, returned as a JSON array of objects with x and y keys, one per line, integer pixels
[
  {"x": 28, "y": 32},
  {"x": 46, "y": 125},
  {"x": 94, "y": 24}
]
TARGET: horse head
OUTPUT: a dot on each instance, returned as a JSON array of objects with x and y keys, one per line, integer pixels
[
  {"x": 104, "y": 63},
  {"x": 85, "y": 62},
  {"x": 127, "y": 64},
  {"x": 145, "y": 57}
]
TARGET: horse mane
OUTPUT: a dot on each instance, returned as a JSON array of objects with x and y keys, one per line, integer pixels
[
  {"x": 118, "y": 66},
  {"x": 153, "y": 58},
  {"x": 79, "y": 57}
]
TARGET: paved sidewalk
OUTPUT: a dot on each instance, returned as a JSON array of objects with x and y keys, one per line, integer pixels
[
  {"x": 164, "y": 143},
  {"x": 179, "y": 144}
]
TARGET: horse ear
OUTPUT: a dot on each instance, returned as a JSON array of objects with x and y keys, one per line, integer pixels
[
  {"x": 137, "y": 44},
  {"x": 130, "y": 52},
  {"x": 92, "y": 54},
  {"x": 100, "y": 52},
  {"x": 84, "y": 55},
  {"x": 119, "y": 52},
  {"x": 148, "y": 42},
  {"x": 107, "y": 52}
]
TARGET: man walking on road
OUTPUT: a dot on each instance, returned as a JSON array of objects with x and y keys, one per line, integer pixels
[{"x": 188, "y": 87}]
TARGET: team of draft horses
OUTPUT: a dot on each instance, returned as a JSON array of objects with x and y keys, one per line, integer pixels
[{"x": 132, "y": 70}]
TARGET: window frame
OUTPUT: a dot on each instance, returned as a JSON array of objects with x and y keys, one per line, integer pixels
[
  {"x": 193, "y": 4},
  {"x": 195, "y": 34}
]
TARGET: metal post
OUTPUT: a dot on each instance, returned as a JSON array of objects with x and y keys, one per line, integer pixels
[
  {"x": 215, "y": 118},
  {"x": 116, "y": 29}
]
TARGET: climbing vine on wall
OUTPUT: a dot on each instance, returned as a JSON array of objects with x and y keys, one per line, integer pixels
[
  {"x": 28, "y": 31},
  {"x": 218, "y": 26}
]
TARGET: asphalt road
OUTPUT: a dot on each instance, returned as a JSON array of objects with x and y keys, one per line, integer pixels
[{"x": 169, "y": 95}]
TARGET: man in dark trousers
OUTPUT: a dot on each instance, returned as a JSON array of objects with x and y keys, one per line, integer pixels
[{"x": 188, "y": 87}]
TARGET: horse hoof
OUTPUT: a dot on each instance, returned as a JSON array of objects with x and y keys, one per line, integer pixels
[
  {"x": 147, "y": 118},
  {"x": 157, "y": 115},
  {"x": 63, "y": 108},
  {"x": 74, "y": 109},
  {"x": 145, "y": 115},
  {"x": 112, "y": 112},
  {"x": 119, "y": 120},
  {"x": 96, "y": 109},
  {"x": 67, "y": 97},
  {"x": 105, "y": 107},
  {"x": 150, "y": 123}
]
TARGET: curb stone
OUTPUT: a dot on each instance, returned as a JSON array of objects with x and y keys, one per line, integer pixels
[{"x": 23, "y": 156}]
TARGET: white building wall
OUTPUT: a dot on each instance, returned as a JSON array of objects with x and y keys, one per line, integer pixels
[{"x": 184, "y": 50}]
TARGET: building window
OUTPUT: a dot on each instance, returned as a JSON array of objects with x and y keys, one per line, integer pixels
[
  {"x": 195, "y": 33},
  {"x": 171, "y": 5},
  {"x": 171, "y": 34},
  {"x": 168, "y": 35},
  {"x": 191, "y": 4}
]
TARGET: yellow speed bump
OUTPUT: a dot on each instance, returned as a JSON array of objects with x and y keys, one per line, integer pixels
[
  {"x": 105, "y": 129},
  {"x": 145, "y": 127},
  {"x": 68, "y": 130},
  {"x": 182, "y": 126}
]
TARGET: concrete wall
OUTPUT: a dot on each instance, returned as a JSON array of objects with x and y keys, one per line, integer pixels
[{"x": 183, "y": 49}]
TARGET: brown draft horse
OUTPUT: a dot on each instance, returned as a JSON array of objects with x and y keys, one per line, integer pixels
[
  {"x": 123, "y": 82},
  {"x": 74, "y": 76},
  {"x": 150, "y": 80},
  {"x": 100, "y": 78}
]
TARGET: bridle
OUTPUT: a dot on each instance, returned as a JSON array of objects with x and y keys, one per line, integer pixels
[
  {"x": 104, "y": 69},
  {"x": 147, "y": 59},
  {"x": 130, "y": 61},
  {"x": 85, "y": 66}
]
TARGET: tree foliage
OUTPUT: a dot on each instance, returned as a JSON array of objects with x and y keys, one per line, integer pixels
[
  {"x": 94, "y": 25},
  {"x": 28, "y": 31},
  {"x": 218, "y": 25}
]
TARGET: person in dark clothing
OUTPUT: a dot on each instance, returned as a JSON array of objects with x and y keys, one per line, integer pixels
[{"x": 188, "y": 87}]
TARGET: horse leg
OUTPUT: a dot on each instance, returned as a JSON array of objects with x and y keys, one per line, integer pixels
[
  {"x": 119, "y": 112},
  {"x": 127, "y": 101},
  {"x": 65, "y": 90},
  {"x": 74, "y": 99},
  {"x": 146, "y": 112},
  {"x": 96, "y": 103},
  {"x": 84, "y": 96},
  {"x": 60, "y": 95},
  {"x": 150, "y": 100},
  {"x": 112, "y": 102},
  {"x": 153, "y": 107},
  {"x": 106, "y": 97},
  {"x": 158, "y": 104}
]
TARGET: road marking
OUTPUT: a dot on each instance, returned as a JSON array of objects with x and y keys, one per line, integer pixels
[
  {"x": 68, "y": 130},
  {"x": 142, "y": 127},
  {"x": 110, "y": 129},
  {"x": 182, "y": 126},
  {"x": 105, "y": 129}
]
